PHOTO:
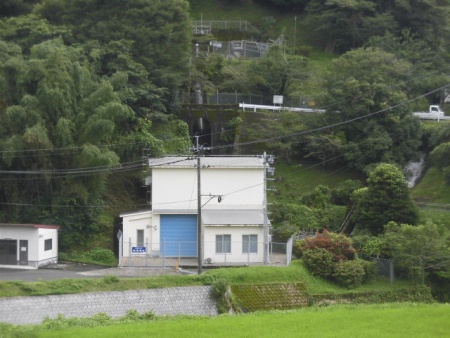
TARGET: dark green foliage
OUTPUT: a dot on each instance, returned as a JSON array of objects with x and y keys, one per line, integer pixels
[
  {"x": 297, "y": 248},
  {"x": 371, "y": 80},
  {"x": 283, "y": 232},
  {"x": 441, "y": 158},
  {"x": 319, "y": 262},
  {"x": 333, "y": 257},
  {"x": 220, "y": 293},
  {"x": 159, "y": 32},
  {"x": 341, "y": 195},
  {"x": 349, "y": 273},
  {"x": 421, "y": 250},
  {"x": 319, "y": 198},
  {"x": 386, "y": 199},
  {"x": 331, "y": 217},
  {"x": 292, "y": 216},
  {"x": 338, "y": 27}
]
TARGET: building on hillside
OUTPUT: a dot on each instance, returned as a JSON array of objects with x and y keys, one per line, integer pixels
[
  {"x": 234, "y": 223},
  {"x": 28, "y": 244}
]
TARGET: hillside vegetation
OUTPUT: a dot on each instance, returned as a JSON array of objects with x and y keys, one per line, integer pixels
[{"x": 88, "y": 87}]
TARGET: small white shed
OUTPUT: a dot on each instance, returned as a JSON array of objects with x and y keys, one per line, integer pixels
[
  {"x": 139, "y": 234},
  {"x": 28, "y": 244}
]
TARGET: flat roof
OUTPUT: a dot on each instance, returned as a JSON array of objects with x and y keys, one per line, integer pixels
[
  {"x": 207, "y": 161},
  {"x": 136, "y": 212},
  {"x": 36, "y": 226}
]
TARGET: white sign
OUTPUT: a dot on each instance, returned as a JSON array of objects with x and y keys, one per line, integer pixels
[{"x": 278, "y": 99}]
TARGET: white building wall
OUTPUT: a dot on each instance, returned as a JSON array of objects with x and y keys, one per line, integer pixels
[
  {"x": 176, "y": 188},
  {"x": 139, "y": 221},
  {"x": 37, "y": 255},
  {"x": 49, "y": 256},
  {"x": 236, "y": 255}
]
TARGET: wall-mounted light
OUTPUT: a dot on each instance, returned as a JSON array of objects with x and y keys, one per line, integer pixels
[{"x": 155, "y": 227}]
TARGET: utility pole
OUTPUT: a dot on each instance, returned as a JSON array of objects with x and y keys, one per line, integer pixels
[
  {"x": 199, "y": 211},
  {"x": 295, "y": 33},
  {"x": 268, "y": 159}
]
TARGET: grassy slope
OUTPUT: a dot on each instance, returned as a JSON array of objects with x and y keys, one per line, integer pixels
[
  {"x": 250, "y": 275},
  {"x": 387, "y": 320},
  {"x": 295, "y": 180},
  {"x": 431, "y": 188}
]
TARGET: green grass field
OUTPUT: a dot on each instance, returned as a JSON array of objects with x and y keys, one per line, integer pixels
[{"x": 386, "y": 320}]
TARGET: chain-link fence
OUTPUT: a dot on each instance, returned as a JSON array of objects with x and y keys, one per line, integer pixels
[
  {"x": 202, "y": 27},
  {"x": 383, "y": 267},
  {"x": 183, "y": 254}
]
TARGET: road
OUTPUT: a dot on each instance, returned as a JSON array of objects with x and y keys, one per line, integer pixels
[{"x": 62, "y": 271}]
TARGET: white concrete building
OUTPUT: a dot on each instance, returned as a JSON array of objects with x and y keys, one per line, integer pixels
[
  {"x": 233, "y": 217},
  {"x": 28, "y": 244}
]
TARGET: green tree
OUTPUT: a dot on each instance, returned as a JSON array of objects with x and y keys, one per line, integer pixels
[
  {"x": 277, "y": 72},
  {"x": 338, "y": 23},
  {"x": 420, "y": 250},
  {"x": 386, "y": 199},
  {"x": 441, "y": 158},
  {"x": 362, "y": 85},
  {"x": 430, "y": 66},
  {"x": 159, "y": 31}
]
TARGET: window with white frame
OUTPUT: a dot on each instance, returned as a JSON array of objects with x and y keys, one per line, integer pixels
[
  {"x": 140, "y": 238},
  {"x": 223, "y": 244},
  {"x": 249, "y": 243}
]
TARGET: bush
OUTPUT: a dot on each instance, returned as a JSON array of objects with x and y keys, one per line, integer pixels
[
  {"x": 283, "y": 232},
  {"x": 297, "y": 248},
  {"x": 319, "y": 262},
  {"x": 340, "y": 246},
  {"x": 101, "y": 255},
  {"x": 219, "y": 292},
  {"x": 349, "y": 273},
  {"x": 369, "y": 270}
]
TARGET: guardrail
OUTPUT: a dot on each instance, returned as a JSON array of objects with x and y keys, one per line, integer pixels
[{"x": 256, "y": 107}]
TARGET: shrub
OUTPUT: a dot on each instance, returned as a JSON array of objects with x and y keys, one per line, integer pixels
[
  {"x": 319, "y": 261},
  {"x": 297, "y": 248},
  {"x": 340, "y": 246},
  {"x": 369, "y": 270},
  {"x": 283, "y": 232},
  {"x": 101, "y": 255},
  {"x": 349, "y": 273},
  {"x": 219, "y": 292}
]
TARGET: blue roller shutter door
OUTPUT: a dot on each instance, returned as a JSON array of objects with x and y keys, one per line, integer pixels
[{"x": 179, "y": 235}]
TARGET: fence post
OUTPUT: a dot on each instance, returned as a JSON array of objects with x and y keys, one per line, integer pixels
[
  {"x": 391, "y": 271},
  {"x": 120, "y": 249},
  {"x": 146, "y": 251},
  {"x": 164, "y": 254},
  {"x": 129, "y": 251}
]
